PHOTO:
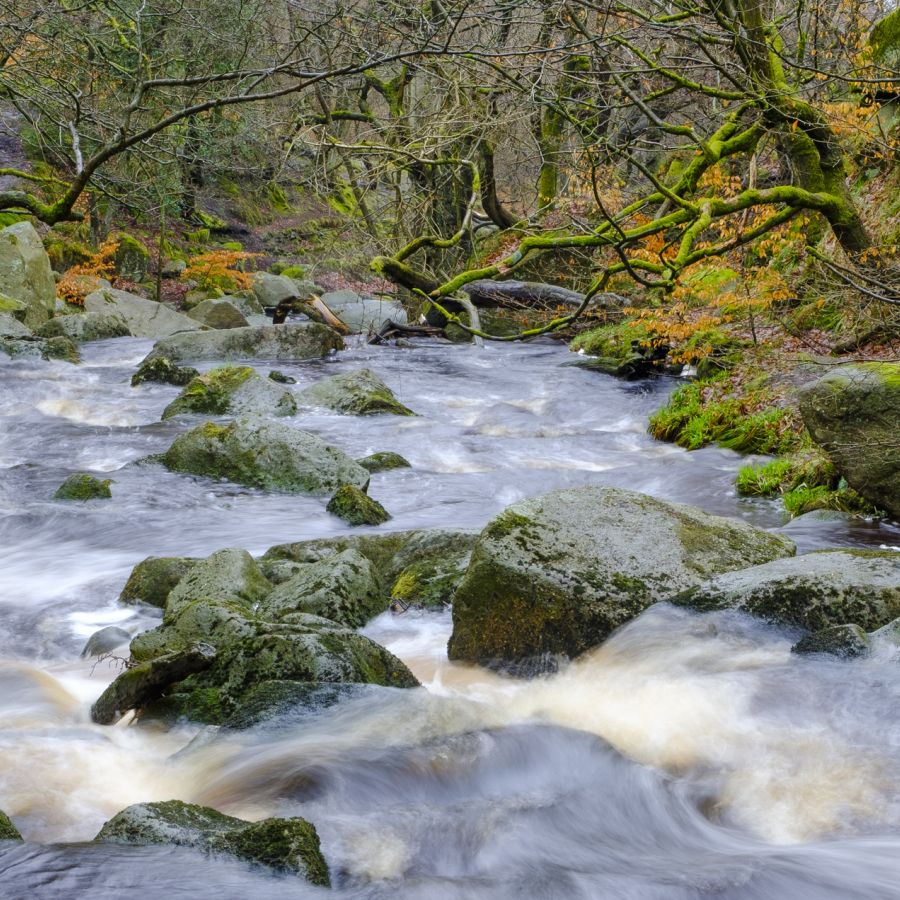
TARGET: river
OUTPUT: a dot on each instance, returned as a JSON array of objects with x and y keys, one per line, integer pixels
[{"x": 690, "y": 756}]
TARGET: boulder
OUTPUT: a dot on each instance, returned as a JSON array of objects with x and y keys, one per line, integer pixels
[
  {"x": 844, "y": 641},
  {"x": 359, "y": 393},
  {"x": 83, "y": 327},
  {"x": 25, "y": 272},
  {"x": 356, "y": 507},
  {"x": 343, "y": 588},
  {"x": 245, "y": 302},
  {"x": 172, "y": 268},
  {"x": 218, "y": 313},
  {"x": 383, "y": 461},
  {"x": 265, "y": 455},
  {"x": 144, "y": 318},
  {"x": 281, "y": 378},
  {"x": 105, "y": 641},
  {"x": 132, "y": 259},
  {"x": 82, "y": 486},
  {"x": 230, "y": 574},
  {"x": 285, "y": 845},
  {"x": 8, "y": 831},
  {"x": 270, "y": 290},
  {"x": 232, "y": 390},
  {"x": 152, "y": 579},
  {"x": 853, "y": 412},
  {"x": 813, "y": 591},
  {"x": 10, "y": 327},
  {"x": 250, "y": 650},
  {"x": 363, "y": 315},
  {"x": 304, "y": 340},
  {"x": 32, "y": 347},
  {"x": 555, "y": 575},
  {"x": 163, "y": 371}
]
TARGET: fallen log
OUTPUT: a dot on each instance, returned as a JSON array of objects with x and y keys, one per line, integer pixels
[
  {"x": 390, "y": 330},
  {"x": 139, "y": 686}
]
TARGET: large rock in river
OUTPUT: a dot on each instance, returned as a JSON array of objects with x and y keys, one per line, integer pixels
[
  {"x": 87, "y": 326},
  {"x": 286, "y": 845},
  {"x": 232, "y": 390},
  {"x": 814, "y": 591},
  {"x": 854, "y": 413},
  {"x": 217, "y": 312},
  {"x": 359, "y": 393},
  {"x": 25, "y": 272},
  {"x": 304, "y": 340},
  {"x": 264, "y": 454},
  {"x": 144, "y": 318},
  {"x": 554, "y": 575}
]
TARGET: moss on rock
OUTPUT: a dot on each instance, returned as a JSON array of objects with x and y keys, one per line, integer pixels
[
  {"x": 162, "y": 370},
  {"x": 235, "y": 390},
  {"x": 360, "y": 393},
  {"x": 355, "y": 507},
  {"x": 152, "y": 579},
  {"x": 383, "y": 461},
  {"x": 82, "y": 486},
  {"x": 8, "y": 831}
]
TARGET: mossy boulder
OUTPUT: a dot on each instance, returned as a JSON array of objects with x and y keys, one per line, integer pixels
[
  {"x": 232, "y": 390},
  {"x": 230, "y": 574},
  {"x": 853, "y": 412},
  {"x": 844, "y": 641},
  {"x": 83, "y": 327},
  {"x": 144, "y": 318},
  {"x": 303, "y": 340},
  {"x": 163, "y": 371},
  {"x": 355, "y": 507},
  {"x": 555, "y": 575},
  {"x": 8, "y": 831},
  {"x": 383, "y": 461},
  {"x": 284, "y": 845},
  {"x": 132, "y": 259},
  {"x": 343, "y": 588},
  {"x": 218, "y": 313},
  {"x": 265, "y": 455},
  {"x": 252, "y": 648},
  {"x": 25, "y": 272},
  {"x": 152, "y": 579},
  {"x": 65, "y": 251},
  {"x": 15, "y": 309},
  {"x": 33, "y": 347},
  {"x": 813, "y": 591},
  {"x": 245, "y": 302},
  {"x": 360, "y": 393},
  {"x": 82, "y": 486}
]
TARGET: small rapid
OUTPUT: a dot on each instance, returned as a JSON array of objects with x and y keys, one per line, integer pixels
[{"x": 689, "y": 756}]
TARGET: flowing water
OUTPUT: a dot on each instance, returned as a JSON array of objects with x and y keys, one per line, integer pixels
[{"x": 690, "y": 756}]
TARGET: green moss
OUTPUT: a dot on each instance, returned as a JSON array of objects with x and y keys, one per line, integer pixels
[
  {"x": 353, "y": 506},
  {"x": 293, "y": 272},
  {"x": 132, "y": 258},
  {"x": 61, "y": 348},
  {"x": 614, "y": 341},
  {"x": 803, "y": 499},
  {"x": 162, "y": 370},
  {"x": 507, "y": 524},
  {"x": 82, "y": 486}
]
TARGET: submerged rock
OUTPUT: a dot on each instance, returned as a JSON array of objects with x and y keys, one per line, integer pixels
[
  {"x": 383, "y": 462},
  {"x": 305, "y": 340},
  {"x": 265, "y": 455},
  {"x": 854, "y": 413},
  {"x": 152, "y": 579},
  {"x": 8, "y": 831},
  {"x": 218, "y": 312},
  {"x": 845, "y": 641},
  {"x": 360, "y": 393},
  {"x": 555, "y": 575},
  {"x": 82, "y": 486},
  {"x": 25, "y": 272},
  {"x": 105, "y": 641},
  {"x": 343, "y": 588},
  {"x": 285, "y": 845},
  {"x": 164, "y": 371},
  {"x": 813, "y": 591},
  {"x": 356, "y": 507},
  {"x": 84, "y": 327},
  {"x": 144, "y": 318},
  {"x": 232, "y": 390}
]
